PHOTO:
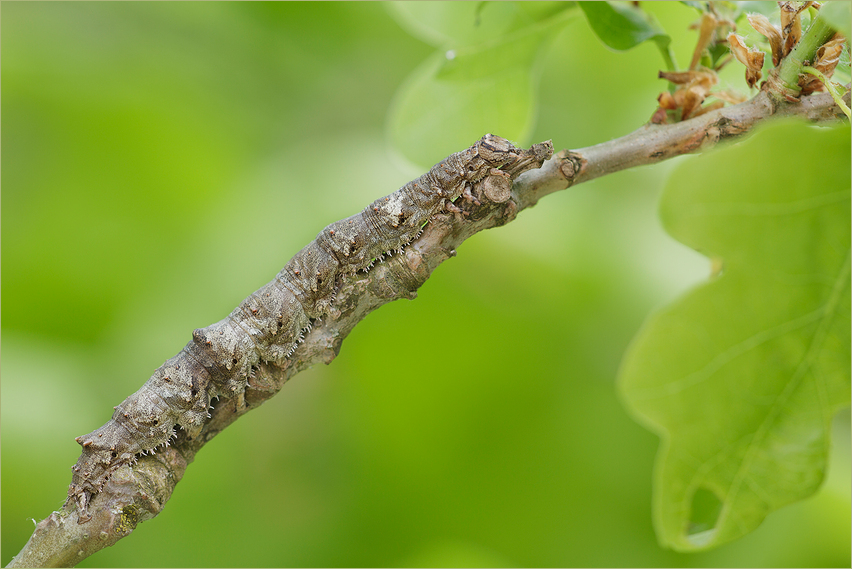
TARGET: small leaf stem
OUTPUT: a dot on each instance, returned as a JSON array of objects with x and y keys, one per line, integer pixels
[
  {"x": 831, "y": 88},
  {"x": 668, "y": 55}
]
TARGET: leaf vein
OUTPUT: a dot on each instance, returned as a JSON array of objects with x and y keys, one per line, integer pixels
[
  {"x": 729, "y": 355},
  {"x": 828, "y": 311}
]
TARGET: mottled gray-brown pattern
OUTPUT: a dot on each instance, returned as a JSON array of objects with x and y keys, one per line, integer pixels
[{"x": 269, "y": 325}]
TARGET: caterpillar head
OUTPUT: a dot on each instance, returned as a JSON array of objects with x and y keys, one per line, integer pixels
[
  {"x": 500, "y": 153},
  {"x": 495, "y": 150}
]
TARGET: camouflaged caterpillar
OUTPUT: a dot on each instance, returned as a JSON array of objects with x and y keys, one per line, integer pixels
[{"x": 269, "y": 325}]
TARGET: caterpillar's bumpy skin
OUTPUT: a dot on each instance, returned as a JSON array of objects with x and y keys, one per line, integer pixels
[{"x": 268, "y": 325}]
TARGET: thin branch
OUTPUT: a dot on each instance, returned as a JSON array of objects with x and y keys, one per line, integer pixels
[
  {"x": 654, "y": 143},
  {"x": 137, "y": 493}
]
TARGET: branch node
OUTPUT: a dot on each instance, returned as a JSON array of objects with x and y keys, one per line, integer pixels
[
  {"x": 567, "y": 169},
  {"x": 570, "y": 166}
]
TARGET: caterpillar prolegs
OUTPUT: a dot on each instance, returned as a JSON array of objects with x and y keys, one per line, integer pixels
[{"x": 269, "y": 325}]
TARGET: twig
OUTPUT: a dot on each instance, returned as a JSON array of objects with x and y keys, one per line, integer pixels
[{"x": 138, "y": 493}]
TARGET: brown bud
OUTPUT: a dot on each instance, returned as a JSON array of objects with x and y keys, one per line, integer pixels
[
  {"x": 791, "y": 23},
  {"x": 694, "y": 87},
  {"x": 751, "y": 58},
  {"x": 707, "y": 30},
  {"x": 826, "y": 60},
  {"x": 667, "y": 101},
  {"x": 659, "y": 116},
  {"x": 686, "y": 77},
  {"x": 771, "y": 32}
]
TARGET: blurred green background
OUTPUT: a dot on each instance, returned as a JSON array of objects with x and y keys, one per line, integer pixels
[{"x": 163, "y": 160}]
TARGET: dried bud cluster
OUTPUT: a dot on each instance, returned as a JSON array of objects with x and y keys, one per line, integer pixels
[
  {"x": 782, "y": 39},
  {"x": 693, "y": 86}
]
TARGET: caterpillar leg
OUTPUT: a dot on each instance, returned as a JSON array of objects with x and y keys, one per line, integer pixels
[
  {"x": 240, "y": 401},
  {"x": 467, "y": 194},
  {"x": 453, "y": 208}
]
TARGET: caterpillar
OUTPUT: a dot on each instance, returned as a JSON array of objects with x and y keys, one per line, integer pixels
[{"x": 270, "y": 324}]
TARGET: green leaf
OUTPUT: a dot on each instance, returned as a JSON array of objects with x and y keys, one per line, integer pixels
[
  {"x": 458, "y": 95},
  {"x": 741, "y": 377},
  {"x": 737, "y": 10},
  {"x": 700, "y": 6},
  {"x": 838, "y": 15},
  {"x": 621, "y": 26},
  {"x": 459, "y": 24}
]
